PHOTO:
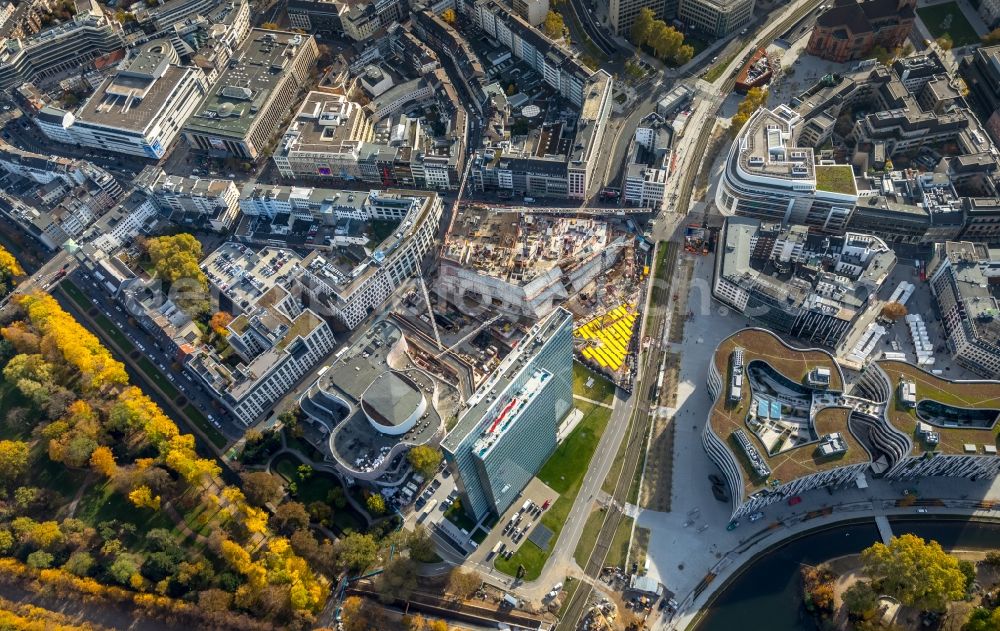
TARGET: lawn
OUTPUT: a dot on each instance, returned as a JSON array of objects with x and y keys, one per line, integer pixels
[
  {"x": 588, "y": 538},
  {"x": 837, "y": 178},
  {"x": 157, "y": 377},
  {"x": 936, "y": 19},
  {"x": 286, "y": 465},
  {"x": 563, "y": 472},
  {"x": 529, "y": 555},
  {"x": 602, "y": 390},
  {"x": 198, "y": 419},
  {"x": 75, "y": 294},
  {"x": 569, "y": 588},
  {"x": 720, "y": 66},
  {"x": 101, "y": 503},
  {"x": 457, "y": 515}
]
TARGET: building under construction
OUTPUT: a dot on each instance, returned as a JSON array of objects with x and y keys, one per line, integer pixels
[{"x": 524, "y": 264}]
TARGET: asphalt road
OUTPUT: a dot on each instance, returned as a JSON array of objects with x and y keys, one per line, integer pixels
[{"x": 189, "y": 387}]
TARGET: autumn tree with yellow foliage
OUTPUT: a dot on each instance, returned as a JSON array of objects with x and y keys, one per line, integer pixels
[{"x": 123, "y": 435}]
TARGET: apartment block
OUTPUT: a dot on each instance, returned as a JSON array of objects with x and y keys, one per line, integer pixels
[{"x": 277, "y": 339}]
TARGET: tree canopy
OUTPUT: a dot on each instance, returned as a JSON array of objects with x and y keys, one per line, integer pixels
[
  {"x": 917, "y": 572},
  {"x": 666, "y": 41},
  {"x": 424, "y": 459},
  {"x": 553, "y": 25}
]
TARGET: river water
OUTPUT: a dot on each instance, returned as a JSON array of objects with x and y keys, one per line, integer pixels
[{"x": 766, "y": 595}]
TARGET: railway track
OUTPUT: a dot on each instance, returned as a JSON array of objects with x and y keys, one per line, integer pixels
[
  {"x": 638, "y": 427},
  {"x": 639, "y": 424}
]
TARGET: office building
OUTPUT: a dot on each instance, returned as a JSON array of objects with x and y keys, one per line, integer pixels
[
  {"x": 770, "y": 176},
  {"x": 139, "y": 109},
  {"x": 989, "y": 10},
  {"x": 192, "y": 201},
  {"x": 242, "y": 111},
  {"x": 622, "y": 14},
  {"x": 649, "y": 165},
  {"x": 787, "y": 426},
  {"x": 799, "y": 283},
  {"x": 981, "y": 71},
  {"x": 276, "y": 338},
  {"x": 850, "y": 30},
  {"x": 67, "y": 46},
  {"x": 349, "y": 289},
  {"x": 961, "y": 276},
  {"x": 717, "y": 18},
  {"x": 508, "y": 427},
  {"x": 372, "y": 405}
]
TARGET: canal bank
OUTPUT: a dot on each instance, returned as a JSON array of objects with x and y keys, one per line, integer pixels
[{"x": 767, "y": 587}]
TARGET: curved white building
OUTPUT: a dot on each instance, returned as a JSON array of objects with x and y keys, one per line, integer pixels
[
  {"x": 770, "y": 177},
  {"x": 782, "y": 423},
  {"x": 373, "y": 407}
]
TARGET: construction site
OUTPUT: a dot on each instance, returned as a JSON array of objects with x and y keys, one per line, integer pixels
[{"x": 516, "y": 267}]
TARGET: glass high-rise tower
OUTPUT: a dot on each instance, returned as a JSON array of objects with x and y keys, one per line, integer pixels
[{"x": 508, "y": 428}]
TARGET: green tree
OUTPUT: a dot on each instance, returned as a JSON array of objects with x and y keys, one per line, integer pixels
[
  {"x": 421, "y": 546},
  {"x": 945, "y": 42},
  {"x": 983, "y": 619},
  {"x": 375, "y": 504},
  {"x": 919, "y": 573},
  {"x": 79, "y": 563},
  {"x": 40, "y": 559},
  {"x": 261, "y": 487},
  {"x": 968, "y": 569},
  {"x": 642, "y": 28},
  {"x": 448, "y": 15},
  {"x": 860, "y": 600},
  {"x": 356, "y": 551},
  {"x": 553, "y": 25},
  {"x": 124, "y": 568},
  {"x": 424, "y": 459},
  {"x": 993, "y": 37},
  {"x": 397, "y": 580}
]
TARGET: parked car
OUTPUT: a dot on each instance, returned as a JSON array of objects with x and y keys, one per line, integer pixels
[
  {"x": 733, "y": 525},
  {"x": 792, "y": 501},
  {"x": 756, "y": 516}
]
